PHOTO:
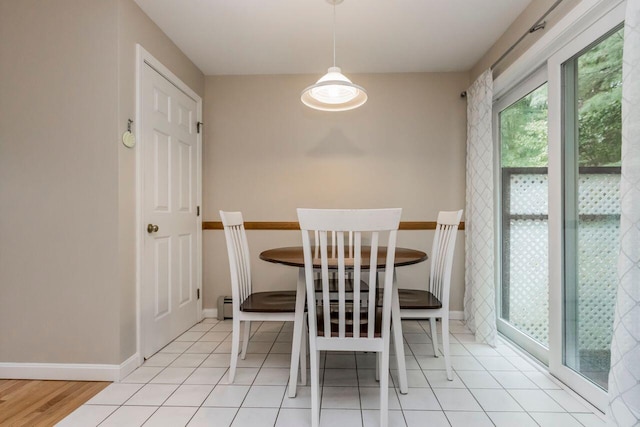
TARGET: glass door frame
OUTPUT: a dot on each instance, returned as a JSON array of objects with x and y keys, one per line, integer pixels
[
  {"x": 557, "y": 133},
  {"x": 530, "y": 84}
]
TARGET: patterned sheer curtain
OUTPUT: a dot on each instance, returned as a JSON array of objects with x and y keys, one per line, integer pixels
[
  {"x": 479, "y": 298},
  {"x": 624, "y": 377}
]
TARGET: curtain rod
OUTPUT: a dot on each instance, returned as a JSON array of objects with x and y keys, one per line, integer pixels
[{"x": 540, "y": 24}]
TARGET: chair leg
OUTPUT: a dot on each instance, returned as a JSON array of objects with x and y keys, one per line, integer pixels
[
  {"x": 315, "y": 387},
  {"x": 235, "y": 345},
  {"x": 377, "y": 366},
  {"x": 434, "y": 336},
  {"x": 303, "y": 353},
  {"x": 445, "y": 347},
  {"x": 245, "y": 343},
  {"x": 384, "y": 388},
  {"x": 401, "y": 363}
]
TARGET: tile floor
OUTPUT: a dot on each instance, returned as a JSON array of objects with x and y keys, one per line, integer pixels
[{"x": 186, "y": 384}]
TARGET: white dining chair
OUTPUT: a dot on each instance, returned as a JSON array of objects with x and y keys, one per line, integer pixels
[
  {"x": 433, "y": 303},
  {"x": 251, "y": 306},
  {"x": 354, "y": 322}
]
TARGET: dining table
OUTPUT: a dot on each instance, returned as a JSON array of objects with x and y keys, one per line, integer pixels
[{"x": 293, "y": 256}]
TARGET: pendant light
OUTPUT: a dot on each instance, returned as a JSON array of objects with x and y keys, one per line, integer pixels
[{"x": 334, "y": 91}]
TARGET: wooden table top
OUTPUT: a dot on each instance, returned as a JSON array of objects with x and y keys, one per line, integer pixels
[{"x": 294, "y": 256}]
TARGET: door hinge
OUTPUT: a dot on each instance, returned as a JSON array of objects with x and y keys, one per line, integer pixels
[
  {"x": 197, "y": 210},
  {"x": 199, "y": 126},
  {"x": 198, "y": 293}
]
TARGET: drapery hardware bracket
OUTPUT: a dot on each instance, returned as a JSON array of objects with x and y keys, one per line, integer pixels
[
  {"x": 538, "y": 25},
  {"x": 129, "y": 123}
]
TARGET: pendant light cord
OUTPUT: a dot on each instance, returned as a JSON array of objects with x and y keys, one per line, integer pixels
[{"x": 334, "y": 34}]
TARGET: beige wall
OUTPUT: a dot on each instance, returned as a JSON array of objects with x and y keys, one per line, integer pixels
[
  {"x": 67, "y": 184},
  {"x": 520, "y": 26},
  {"x": 266, "y": 154},
  {"x": 58, "y": 182}
]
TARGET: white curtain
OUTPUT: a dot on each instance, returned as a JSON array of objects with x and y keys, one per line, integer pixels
[
  {"x": 479, "y": 298},
  {"x": 624, "y": 377}
]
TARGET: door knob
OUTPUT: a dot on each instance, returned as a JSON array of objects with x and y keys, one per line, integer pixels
[{"x": 151, "y": 228}]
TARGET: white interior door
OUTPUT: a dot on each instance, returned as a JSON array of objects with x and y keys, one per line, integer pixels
[{"x": 170, "y": 194}]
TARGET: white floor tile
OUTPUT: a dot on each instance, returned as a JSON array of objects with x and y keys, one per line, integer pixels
[
  {"x": 478, "y": 379},
  {"x": 511, "y": 419},
  {"x": 555, "y": 419},
  {"x": 496, "y": 400},
  {"x": 281, "y": 347},
  {"x": 456, "y": 400},
  {"x": 114, "y": 394},
  {"x": 161, "y": 359},
  {"x": 292, "y": 417},
  {"x": 269, "y": 337},
  {"x": 340, "y": 377},
  {"x": 189, "y": 395},
  {"x": 302, "y": 399},
  {"x": 259, "y": 347},
  {"x": 456, "y": 349},
  {"x": 542, "y": 380},
  {"x": 190, "y": 336},
  {"x": 371, "y": 418},
  {"x": 414, "y": 378},
  {"x": 129, "y": 416},
  {"x": 171, "y": 416},
  {"x": 87, "y": 415},
  {"x": 438, "y": 379},
  {"x": 535, "y": 401},
  {"x": 419, "y": 338},
  {"x": 264, "y": 396},
  {"x": 207, "y": 417},
  {"x": 172, "y": 376},
  {"x": 513, "y": 380},
  {"x": 420, "y": 399},
  {"x": 340, "y": 417},
  {"x": 522, "y": 364},
  {"x": 477, "y": 349},
  {"x": 465, "y": 338},
  {"x": 274, "y": 360},
  {"x": 244, "y": 376},
  {"x": 421, "y": 349},
  {"x": 217, "y": 360},
  {"x": 200, "y": 327},
  {"x": 224, "y": 347},
  {"x": 272, "y": 376},
  {"x": 176, "y": 347},
  {"x": 426, "y": 418},
  {"x": 214, "y": 335},
  {"x": 366, "y": 360},
  {"x": 208, "y": 376},
  {"x": 466, "y": 363},
  {"x": 227, "y": 326},
  {"x": 152, "y": 395},
  {"x": 205, "y": 347},
  {"x": 230, "y": 396},
  {"x": 568, "y": 402},
  {"x": 430, "y": 362},
  {"x": 340, "y": 398},
  {"x": 255, "y": 417},
  {"x": 466, "y": 419},
  {"x": 495, "y": 363},
  {"x": 142, "y": 375},
  {"x": 370, "y": 398},
  {"x": 340, "y": 361},
  {"x": 590, "y": 420}
]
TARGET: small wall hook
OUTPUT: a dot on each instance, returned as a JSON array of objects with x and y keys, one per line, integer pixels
[{"x": 129, "y": 123}]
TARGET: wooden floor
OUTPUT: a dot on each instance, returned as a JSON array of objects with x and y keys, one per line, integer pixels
[{"x": 42, "y": 403}]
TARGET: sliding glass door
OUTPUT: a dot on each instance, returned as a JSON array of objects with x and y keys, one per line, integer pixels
[
  {"x": 592, "y": 94},
  {"x": 523, "y": 294},
  {"x": 558, "y": 141}
]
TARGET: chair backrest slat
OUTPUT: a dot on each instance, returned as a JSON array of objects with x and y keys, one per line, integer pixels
[
  {"x": 239, "y": 258},
  {"x": 348, "y": 312},
  {"x": 444, "y": 242}
]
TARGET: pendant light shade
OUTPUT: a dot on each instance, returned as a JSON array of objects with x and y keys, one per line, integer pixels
[{"x": 334, "y": 91}]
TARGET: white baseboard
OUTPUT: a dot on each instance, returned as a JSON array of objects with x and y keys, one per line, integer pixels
[
  {"x": 210, "y": 312},
  {"x": 69, "y": 371}
]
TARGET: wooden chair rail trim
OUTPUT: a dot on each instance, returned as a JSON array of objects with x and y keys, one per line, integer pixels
[{"x": 293, "y": 225}]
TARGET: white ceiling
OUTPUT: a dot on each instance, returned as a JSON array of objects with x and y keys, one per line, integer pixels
[{"x": 295, "y": 36}]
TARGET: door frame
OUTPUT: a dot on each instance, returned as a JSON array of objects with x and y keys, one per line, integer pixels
[{"x": 144, "y": 57}]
